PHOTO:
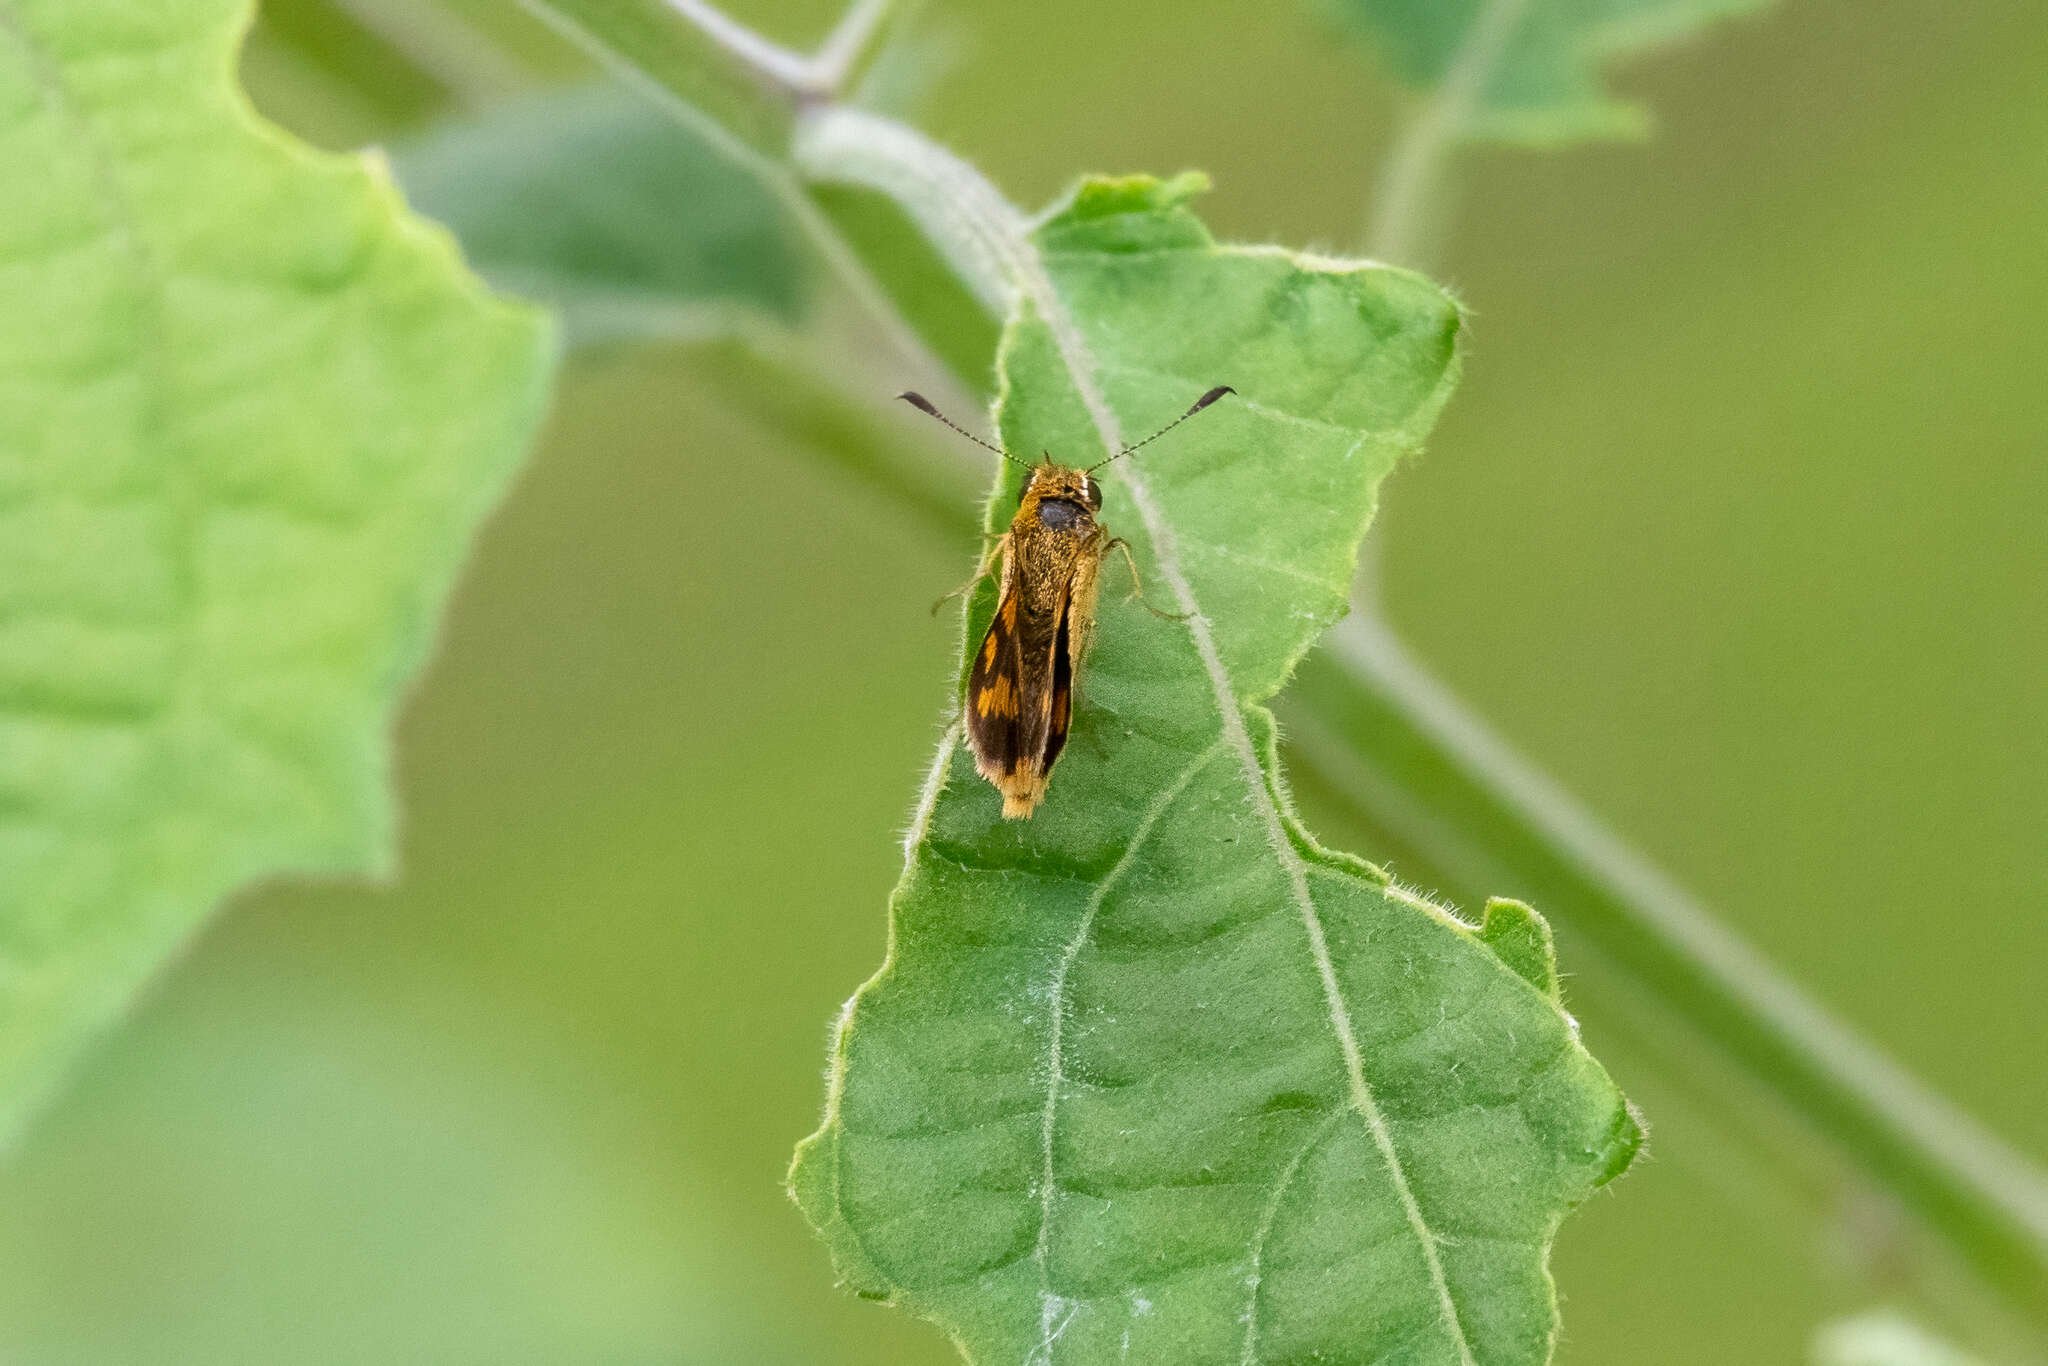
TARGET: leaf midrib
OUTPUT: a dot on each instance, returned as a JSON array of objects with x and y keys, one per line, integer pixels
[{"x": 1036, "y": 284}]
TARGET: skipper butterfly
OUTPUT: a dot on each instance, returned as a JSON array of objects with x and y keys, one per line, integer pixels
[{"x": 1020, "y": 690}]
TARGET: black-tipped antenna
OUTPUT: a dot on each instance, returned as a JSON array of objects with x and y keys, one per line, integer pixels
[
  {"x": 924, "y": 405},
  {"x": 1204, "y": 401}
]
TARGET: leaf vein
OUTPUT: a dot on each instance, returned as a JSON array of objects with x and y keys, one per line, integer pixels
[
  {"x": 1074, "y": 353},
  {"x": 1048, "y": 1301},
  {"x": 1264, "y": 1231}
]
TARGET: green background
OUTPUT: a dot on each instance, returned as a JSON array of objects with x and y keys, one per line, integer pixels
[{"x": 1736, "y": 525}]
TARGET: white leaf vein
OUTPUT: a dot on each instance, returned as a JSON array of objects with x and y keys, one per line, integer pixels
[
  {"x": 1038, "y": 286},
  {"x": 1049, "y": 1304},
  {"x": 1271, "y": 1215}
]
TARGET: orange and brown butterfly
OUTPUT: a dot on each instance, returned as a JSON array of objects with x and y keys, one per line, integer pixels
[{"x": 1020, "y": 689}]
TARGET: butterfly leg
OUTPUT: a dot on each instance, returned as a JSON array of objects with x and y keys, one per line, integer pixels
[
  {"x": 988, "y": 562},
  {"x": 1137, "y": 587}
]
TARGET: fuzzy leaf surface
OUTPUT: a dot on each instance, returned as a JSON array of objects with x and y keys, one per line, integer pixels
[
  {"x": 250, "y": 412},
  {"x": 1153, "y": 1077},
  {"x": 1534, "y": 67}
]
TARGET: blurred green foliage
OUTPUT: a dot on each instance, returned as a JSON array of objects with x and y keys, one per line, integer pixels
[
  {"x": 592, "y": 200},
  {"x": 252, "y": 412},
  {"x": 1534, "y": 68},
  {"x": 1735, "y": 527}
]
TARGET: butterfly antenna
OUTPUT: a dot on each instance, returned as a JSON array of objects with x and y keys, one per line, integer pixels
[
  {"x": 924, "y": 405},
  {"x": 1204, "y": 401}
]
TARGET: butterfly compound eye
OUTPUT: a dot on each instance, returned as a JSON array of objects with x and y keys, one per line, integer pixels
[{"x": 1092, "y": 491}]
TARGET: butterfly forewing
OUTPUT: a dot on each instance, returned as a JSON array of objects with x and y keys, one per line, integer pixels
[{"x": 1010, "y": 700}]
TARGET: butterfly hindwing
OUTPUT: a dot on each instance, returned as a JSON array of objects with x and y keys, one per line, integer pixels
[
  {"x": 1060, "y": 711},
  {"x": 1013, "y": 707}
]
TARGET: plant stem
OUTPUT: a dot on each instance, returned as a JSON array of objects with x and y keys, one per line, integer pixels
[
  {"x": 847, "y": 50},
  {"x": 776, "y": 67},
  {"x": 978, "y": 232},
  {"x": 1403, "y": 215},
  {"x": 823, "y": 76}
]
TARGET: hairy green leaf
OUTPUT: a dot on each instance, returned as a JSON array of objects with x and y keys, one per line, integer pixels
[
  {"x": 599, "y": 202},
  {"x": 1153, "y": 1077},
  {"x": 1527, "y": 70},
  {"x": 252, "y": 411}
]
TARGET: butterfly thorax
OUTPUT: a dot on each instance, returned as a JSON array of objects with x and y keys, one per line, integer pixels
[{"x": 1054, "y": 527}]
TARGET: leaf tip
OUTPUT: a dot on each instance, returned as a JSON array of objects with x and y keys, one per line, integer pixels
[
  {"x": 1127, "y": 213},
  {"x": 1626, "y": 1140},
  {"x": 812, "y": 1185},
  {"x": 800, "y": 1182},
  {"x": 1105, "y": 194},
  {"x": 1520, "y": 938}
]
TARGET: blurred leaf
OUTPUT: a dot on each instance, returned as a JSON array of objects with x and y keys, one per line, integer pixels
[
  {"x": 1884, "y": 1338},
  {"x": 1527, "y": 70},
  {"x": 254, "y": 410},
  {"x": 1154, "y": 1077},
  {"x": 602, "y": 204}
]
